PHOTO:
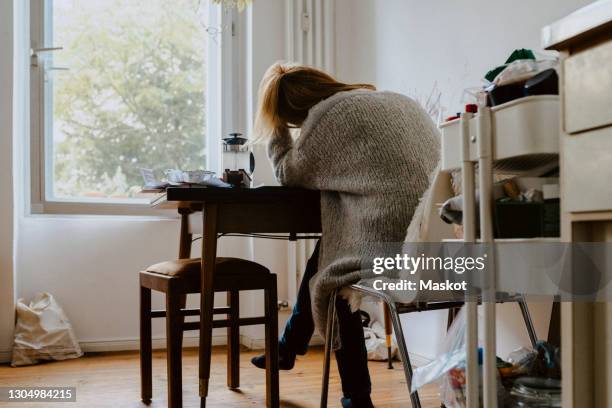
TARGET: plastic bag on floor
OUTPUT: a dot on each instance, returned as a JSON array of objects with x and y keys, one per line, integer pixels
[
  {"x": 448, "y": 369},
  {"x": 43, "y": 332},
  {"x": 453, "y": 355}
]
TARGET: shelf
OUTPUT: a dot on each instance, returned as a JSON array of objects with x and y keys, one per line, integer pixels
[
  {"x": 513, "y": 240},
  {"x": 526, "y": 267},
  {"x": 525, "y": 136}
]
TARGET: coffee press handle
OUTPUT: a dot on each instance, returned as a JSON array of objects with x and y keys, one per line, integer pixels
[{"x": 251, "y": 162}]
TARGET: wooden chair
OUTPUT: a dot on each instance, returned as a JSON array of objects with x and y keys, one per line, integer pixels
[{"x": 180, "y": 277}]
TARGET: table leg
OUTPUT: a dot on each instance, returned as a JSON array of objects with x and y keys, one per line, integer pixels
[
  {"x": 209, "y": 253},
  {"x": 233, "y": 340},
  {"x": 271, "y": 308},
  {"x": 184, "y": 252}
]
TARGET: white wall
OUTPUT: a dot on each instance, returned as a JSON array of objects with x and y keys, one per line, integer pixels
[
  {"x": 412, "y": 46},
  {"x": 90, "y": 264},
  {"x": 6, "y": 178}
]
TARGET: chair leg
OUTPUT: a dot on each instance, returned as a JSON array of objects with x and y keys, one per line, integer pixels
[
  {"x": 182, "y": 305},
  {"x": 329, "y": 338},
  {"x": 403, "y": 349},
  {"x": 271, "y": 312},
  {"x": 174, "y": 348},
  {"x": 452, "y": 314},
  {"x": 528, "y": 322},
  {"x": 233, "y": 340},
  {"x": 146, "y": 369}
]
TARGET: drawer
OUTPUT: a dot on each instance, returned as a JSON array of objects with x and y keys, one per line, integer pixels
[
  {"x": 587, "y": 84},
  {"x": 586, "y": 164},
  {"x": 452, "y": 143},
  {"x": 525, "y": 129}
]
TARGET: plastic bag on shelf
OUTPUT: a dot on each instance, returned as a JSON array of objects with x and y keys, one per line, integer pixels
[
  {"x": 43, "y": 332},
  {"x": 521, "y": 70},
  {"x": 522, "y": 359}
]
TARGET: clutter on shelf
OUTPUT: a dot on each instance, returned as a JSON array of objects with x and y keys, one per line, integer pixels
[
  {"x": 522, "y": 75},
  {"x": 525, "y": 207},
  {"x": 527, "y": 378}
]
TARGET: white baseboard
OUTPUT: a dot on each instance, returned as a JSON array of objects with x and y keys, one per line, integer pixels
[
  {"x": 98, "y": 346},
  {"x": 95, "y": 346}
]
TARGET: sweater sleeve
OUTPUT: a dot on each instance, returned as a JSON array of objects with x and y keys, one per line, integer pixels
[
  {"x": 288, "y": 168},
  {"x": 315, "y": 158}
]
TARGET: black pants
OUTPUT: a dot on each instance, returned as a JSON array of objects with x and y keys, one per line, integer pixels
[{"x": 352, "y": 358}]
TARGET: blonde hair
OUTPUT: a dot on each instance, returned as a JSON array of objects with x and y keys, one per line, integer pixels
[{"x": 286, "y": 94}]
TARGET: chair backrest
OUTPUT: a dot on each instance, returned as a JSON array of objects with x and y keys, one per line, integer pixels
[
  {"x": 426, "y": 224},
  {"x": 195, "y": 223},
  {"x": 191, "y": 224}
]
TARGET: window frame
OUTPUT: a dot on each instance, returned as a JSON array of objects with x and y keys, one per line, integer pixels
[{"x": 222, "y": 95}]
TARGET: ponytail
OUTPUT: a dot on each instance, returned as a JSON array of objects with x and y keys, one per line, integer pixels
[{"x": 287, "y": 92}]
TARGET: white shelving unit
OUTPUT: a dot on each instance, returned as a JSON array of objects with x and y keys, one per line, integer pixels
[
  {"x": 518, "y": 137},
  {"x": 525, "y": 136}
]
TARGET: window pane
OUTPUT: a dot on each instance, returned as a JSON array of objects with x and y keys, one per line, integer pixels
[{"x": 133, "y": 95}]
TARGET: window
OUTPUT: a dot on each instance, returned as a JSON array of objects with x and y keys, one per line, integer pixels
[{"x": 119, "y": 85}]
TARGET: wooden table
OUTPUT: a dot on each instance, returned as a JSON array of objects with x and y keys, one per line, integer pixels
[{"x": 236, "y": 210}]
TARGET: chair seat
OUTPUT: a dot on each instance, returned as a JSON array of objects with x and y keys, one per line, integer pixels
[
  {"x": 190, "y": 268},
  {"x": 229, "y": 272}
]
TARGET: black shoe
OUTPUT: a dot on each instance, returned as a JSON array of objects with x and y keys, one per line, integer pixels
[
  {"x": 286, "y": 359},
  {"x": 361, "y": 402}
]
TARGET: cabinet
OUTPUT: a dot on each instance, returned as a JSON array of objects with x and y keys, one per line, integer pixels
[{"x": 584, "y": 39}]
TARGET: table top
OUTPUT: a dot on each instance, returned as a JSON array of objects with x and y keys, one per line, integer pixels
[
  {"x": 230, "y": 194},
  {"x": 268, "y": 209}
]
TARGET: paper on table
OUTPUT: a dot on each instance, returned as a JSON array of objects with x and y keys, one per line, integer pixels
[
  {"x": 151, "y": 182},
  {"x": 215, "y": 182}
]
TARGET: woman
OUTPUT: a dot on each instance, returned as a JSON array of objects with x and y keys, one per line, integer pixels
[{"x": 370, "y": 154}]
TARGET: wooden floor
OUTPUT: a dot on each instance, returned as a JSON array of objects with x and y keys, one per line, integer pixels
[{"x": 112, "y": 380}]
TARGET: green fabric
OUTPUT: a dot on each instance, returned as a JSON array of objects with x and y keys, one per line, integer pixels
[{"x": 519, "y": 54}]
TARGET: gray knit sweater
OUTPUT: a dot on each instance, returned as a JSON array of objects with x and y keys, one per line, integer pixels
[{"x": 370, "y": 153}]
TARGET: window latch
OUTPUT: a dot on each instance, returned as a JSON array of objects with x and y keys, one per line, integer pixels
[{"x": 35, "y": 51}]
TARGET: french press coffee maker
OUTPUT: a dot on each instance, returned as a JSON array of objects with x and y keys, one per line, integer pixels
[{"x": 238, "y": 160}]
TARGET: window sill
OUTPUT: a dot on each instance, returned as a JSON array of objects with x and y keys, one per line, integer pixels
[{"x": 118, "y": 209}]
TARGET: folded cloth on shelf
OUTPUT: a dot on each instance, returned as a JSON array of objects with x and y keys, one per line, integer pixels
[{"x": 451, "y": 211}]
